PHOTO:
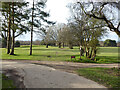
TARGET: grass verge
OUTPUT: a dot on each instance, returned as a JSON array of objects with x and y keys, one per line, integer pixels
[
  {"x": 108, "y": 77},
  {"x": 6, "y": 82}
]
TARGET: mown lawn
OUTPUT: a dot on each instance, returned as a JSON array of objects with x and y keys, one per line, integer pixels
[
  {"x": 108, "y": 77},
  {"x": 108, "y": 55},
  {"x": 105, "y": 54}
]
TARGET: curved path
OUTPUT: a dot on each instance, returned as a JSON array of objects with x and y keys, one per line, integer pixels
[{"x": 40, "y": 76}]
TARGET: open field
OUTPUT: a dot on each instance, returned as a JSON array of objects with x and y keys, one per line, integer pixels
[
  {"x": 105, "y": 54},
  {"x": 105, "y": 76}
]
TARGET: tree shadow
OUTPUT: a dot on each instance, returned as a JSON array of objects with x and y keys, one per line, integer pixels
[{"x": 15, "y": 55}]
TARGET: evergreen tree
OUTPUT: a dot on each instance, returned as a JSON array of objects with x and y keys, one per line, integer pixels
[
  {"x": 17, "y": 17},
  {"x": 38, "y": 16}
]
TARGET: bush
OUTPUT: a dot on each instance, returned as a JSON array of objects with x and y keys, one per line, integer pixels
[
  {"x": 110, "y": 43},
  {"x": 17, "y": 44},
  {"x": 4, "y": 42}
]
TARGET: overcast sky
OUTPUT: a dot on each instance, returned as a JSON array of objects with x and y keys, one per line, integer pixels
[{"x": 60, "y": 13}]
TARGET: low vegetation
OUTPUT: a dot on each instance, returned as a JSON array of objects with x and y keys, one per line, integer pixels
[
  {"x": 6, "y": 82},
  {"x": 105, "y": 54},
  {"x": 109, "y": 77}
]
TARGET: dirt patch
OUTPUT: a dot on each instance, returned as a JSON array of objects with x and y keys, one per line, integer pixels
[
  {"x": 66, "y": 66},
  {"x": 13, "y": 75},
  {"x": 70, "y": 69}
]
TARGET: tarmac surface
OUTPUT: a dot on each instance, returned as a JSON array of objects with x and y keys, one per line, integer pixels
[{"x": 42, "y": 76}]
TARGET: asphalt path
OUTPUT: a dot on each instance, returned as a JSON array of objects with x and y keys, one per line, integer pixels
[{"x": 40, "y": 76}]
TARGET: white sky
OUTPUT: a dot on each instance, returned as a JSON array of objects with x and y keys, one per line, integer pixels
[{"x": 59, "y": 12}]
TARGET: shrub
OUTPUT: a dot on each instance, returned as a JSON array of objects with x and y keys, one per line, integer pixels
[
  {"x": 109, "y": 42},
  {"x": 17, "y": 44}
]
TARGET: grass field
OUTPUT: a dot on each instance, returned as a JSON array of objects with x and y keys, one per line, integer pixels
[
  {"x": 105, "y": 76},
  {"x": 108, "y": 77},
  {"x": 105, "y": 54}
]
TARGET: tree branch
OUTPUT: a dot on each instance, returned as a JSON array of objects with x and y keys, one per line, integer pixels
[
  {"x": 2, "y": 35},
  {"x": 18, "y": 34},
  {"x": 118, "y": 25},
  {"x": 103, "y": 17}
]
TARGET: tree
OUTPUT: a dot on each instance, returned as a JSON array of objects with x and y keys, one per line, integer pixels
[
  {"x": 0, "y": 43},
  {"x": 4, "y": 43},
  {"x": 9, "y": 32},
  {"x": 43, "y": 34},
  {"x": 52, "y": 35},
  {"x": 13, "y": 31},
  {"x": 67, "y": 35},
  {"x": 17, "y": 44},
  {"x": 14, "y": 17},
  {"x": 15, "y": 23},
  {"x": 87, "y": 31},
  {"x": 38, "y": 16},
  {"x": 32, "y": 29},
  {"x": 101, "y": 11},
  {"x": 108, "y": 43},
  {"x": 49, "y": 36}
]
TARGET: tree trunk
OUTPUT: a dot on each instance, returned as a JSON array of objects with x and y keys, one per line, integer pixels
[
  {"x": 13, "y": 43},
  {"x": 87, "y": 47},
  {"x": 59, "y": 44},
  {"x": 91, "y": 53},
  {"x": 8, "y": 32},
  {"x": 70, "y": 46},
  {"x": 80, "y": 52},
  {"x": 63, "y": 45},
  {"x": 4, "y": 42},
  {"x": 46, "y": 45},
  {"x": 88, "y": 52},
  {"x": 13, "y": 33},
  {"x": 94, "y": 54},
  {"x": 32, "y": 31}
]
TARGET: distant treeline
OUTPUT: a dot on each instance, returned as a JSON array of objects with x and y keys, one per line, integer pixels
[
  {"x": 37, "y": 42},
  {"x": 109, "y": 43}
]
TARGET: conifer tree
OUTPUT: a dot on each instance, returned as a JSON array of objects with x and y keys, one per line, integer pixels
[
  {"x": 17, "y": 17},
  {"x": 38, "y": 16}
]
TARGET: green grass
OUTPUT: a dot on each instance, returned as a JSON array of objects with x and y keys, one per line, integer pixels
[
  {"x": 108, "y": 55},
  {"x": 105, "y": 76},
  {"x": 6, "y": 83},
  {"x": 105, "y": 54}
]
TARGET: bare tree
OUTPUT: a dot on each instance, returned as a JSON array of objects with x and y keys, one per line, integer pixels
[
  {"x": 104, "y": 11},
  {"x": 87, "y": 30}
]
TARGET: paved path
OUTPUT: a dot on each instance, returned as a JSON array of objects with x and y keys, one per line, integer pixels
[
  {"x": 66, "y": 66},
  {"x": 40, "y": 76}
]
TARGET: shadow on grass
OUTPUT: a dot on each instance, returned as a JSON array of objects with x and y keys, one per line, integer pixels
[
  {"x": 53, "y": 55},
  {"x": 82, "y": 61},
  {"x": 15, "y": 55},
  {"x": 22, "y": 46},
  {"x": 99, "y": 59},
  {"x": 49, "y": 49},
  {"x": 44, "y": 49}
]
